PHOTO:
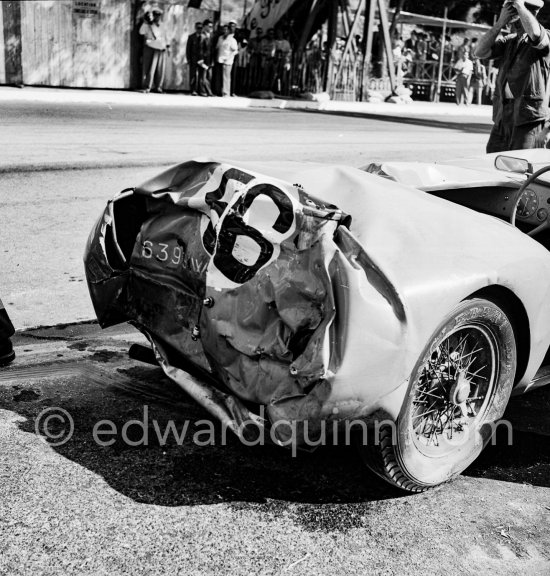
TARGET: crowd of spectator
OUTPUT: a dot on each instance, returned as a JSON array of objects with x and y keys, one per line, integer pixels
[
  {"x": 234, "y": 61},
  {"x": 414, "y": 55},
  {"x": 230, "y": 61}
]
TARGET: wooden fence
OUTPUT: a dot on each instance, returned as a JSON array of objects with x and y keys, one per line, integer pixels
[{"x": 87, "y": 43}]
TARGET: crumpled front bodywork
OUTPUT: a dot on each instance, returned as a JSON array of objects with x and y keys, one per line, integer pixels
[
  {"x": 248, "y": 278},
  {"x": 281, "y": 300}
]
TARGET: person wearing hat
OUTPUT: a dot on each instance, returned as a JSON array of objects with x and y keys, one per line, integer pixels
[
  {"x": 193, "y": 55},
  {"x": 520, "y": 104},
  {"x": 154, "y": 50}
]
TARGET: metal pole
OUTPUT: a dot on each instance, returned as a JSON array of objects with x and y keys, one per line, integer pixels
[
  {"x": 332, "y": 30},
  {"x": 387, "y": 42},
  {"x": 370, "y": 11},
  {"x": 350, "y": 39},
  {"x": 396, "y": 14},
  {"x": 441, "y": 56}
]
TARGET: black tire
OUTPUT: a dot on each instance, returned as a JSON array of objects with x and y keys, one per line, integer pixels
[{"x": 436, "y": 408}]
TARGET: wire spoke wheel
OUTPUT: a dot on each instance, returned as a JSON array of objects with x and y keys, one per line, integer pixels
[
  {"x": 453, "y": 388},
  {"x": 458, "y": 389}
]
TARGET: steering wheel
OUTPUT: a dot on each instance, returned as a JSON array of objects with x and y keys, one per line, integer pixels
[{"x": 523, "y": 187}]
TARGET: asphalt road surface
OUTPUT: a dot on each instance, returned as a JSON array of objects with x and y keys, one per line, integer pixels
[
  {"x": 36, "y": 134},
  {"x": 99, "y": 149},
  {"x": 185, "y": 507}
]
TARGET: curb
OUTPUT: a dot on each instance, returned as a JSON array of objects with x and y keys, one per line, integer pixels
[
  {"x": 15, "y": 168},
  {"x": 425, "y": 113},
  {"x": 426, "y": 110}
]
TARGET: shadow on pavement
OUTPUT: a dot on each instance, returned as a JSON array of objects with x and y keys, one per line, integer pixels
[
  {"x": 468, "y": 125},
  {"x": 522, "y": 456},
  {"x": 181, "y": 473},
  {"x": 185, "y": 473}
]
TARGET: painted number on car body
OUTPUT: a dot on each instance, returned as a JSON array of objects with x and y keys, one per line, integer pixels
[{"x": 251, "y": 232}]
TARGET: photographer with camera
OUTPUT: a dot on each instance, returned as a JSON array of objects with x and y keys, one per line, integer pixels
[{"x": 520, "y": 107}]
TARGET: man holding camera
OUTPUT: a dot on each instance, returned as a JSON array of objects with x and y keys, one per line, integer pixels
[{"x": 520, "y": 108}]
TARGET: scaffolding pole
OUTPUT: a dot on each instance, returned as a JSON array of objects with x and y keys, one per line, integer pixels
[{"x": 441, "y": 56}]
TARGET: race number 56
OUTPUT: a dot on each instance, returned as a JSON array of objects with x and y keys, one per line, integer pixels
[{"x": 250, "y": 233}]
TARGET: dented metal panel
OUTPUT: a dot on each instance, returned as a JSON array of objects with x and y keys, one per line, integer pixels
[{"x": 312, "y": 295}]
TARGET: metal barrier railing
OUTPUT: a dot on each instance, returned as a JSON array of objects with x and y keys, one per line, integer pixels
[{"x": 306, "y": 74}]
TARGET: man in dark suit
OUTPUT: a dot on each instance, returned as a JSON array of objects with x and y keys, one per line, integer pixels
[
  {"x": 205, "y": 59},
  {"x": 192, "y": 52}
]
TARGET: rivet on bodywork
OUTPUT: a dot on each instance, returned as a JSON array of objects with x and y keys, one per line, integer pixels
[
  {"x": 293, "y": 371},
  {"x": 208, "y": 302}
]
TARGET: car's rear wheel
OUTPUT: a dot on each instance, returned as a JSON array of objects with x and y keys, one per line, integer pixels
[{"x": 457, "y": 391}]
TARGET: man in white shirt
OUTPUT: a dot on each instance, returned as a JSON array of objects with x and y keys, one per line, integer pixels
[
  {"x": 226, "y": 50},
  {"x": 464, "y": 68}
]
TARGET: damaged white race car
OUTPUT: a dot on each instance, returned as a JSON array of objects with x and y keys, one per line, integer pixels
[{"x": 302, "y": 300}]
